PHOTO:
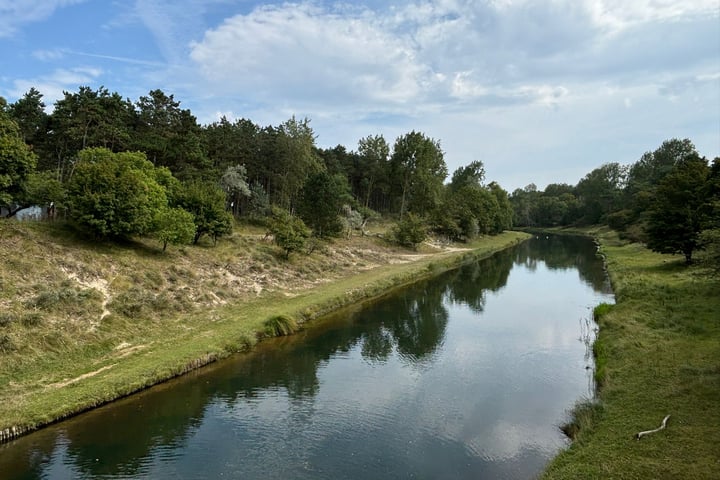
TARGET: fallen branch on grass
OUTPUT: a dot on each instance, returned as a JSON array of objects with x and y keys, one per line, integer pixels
[{"x": 648, "y": 432}]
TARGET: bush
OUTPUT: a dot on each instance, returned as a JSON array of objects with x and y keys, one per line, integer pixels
[
  {"x": 66, "y": 298},
  {"x": 410, "y": 231},
  {"x": 6, "y": 344},
  {"x": 6, "y": 319},
  {"x": 280, "y": 325},
  {"x": 290, "y": 232},
  {"x": 33, "y": 319}
]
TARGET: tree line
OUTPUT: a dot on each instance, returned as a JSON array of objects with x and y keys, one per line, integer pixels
[
  {"x": 117, "y": 168},
  {"x": 669, "y": 199}
]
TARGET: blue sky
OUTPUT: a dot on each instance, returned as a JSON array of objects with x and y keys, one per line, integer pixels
[{"x": 540, "y": 91}]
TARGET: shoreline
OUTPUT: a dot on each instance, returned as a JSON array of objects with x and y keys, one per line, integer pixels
[
  {"x": 656, "y": 355},
  {"x": 210, "y": 336}
]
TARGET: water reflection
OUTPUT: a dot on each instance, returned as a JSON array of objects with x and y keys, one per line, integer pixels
[
  {"x": 412, "y": 385},
  {"x": 562, "y": 252}
]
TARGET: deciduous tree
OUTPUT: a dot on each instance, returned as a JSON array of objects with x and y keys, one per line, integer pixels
[
  {"x": 679, "y": 209},
  {"x": 115, "y": 194},
  {"x": 206, "y": 202},
  {"x": 17, "y": 161},
  {"x": 174, "y": 226},
  {"x": 418, "y": 170}
]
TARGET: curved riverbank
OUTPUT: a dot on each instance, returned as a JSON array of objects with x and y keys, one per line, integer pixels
[
  {"x": 124, "y": 353},
  {"x": 658, "y": 351}
]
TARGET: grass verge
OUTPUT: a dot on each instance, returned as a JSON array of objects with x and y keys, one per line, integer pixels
[
  {"x": 658, "y": 354},
  {"x": 108, "y": 321}
]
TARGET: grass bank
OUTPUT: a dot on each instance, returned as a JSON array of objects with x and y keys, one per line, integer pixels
[
  {"x": 82, "y": 324},
  {"x": 658, "y": 352}
]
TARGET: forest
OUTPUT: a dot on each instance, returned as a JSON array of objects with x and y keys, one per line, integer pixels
[
  {"x": 669, "y": 200},
  {"x": 116, "y": 168}
]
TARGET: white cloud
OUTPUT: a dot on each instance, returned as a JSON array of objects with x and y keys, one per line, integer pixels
[
  {"x": 49, "y": 55},
  {"x": 303, "y": 53},
  {"x": 565, "y": 84},
  {"x": 14, "y": 14},
  {"x": 620, "y": 14},
  {"x": 54, "y": 84},
  {"x": 173, "y": 23},
  {"x": 441, "y": 52}
]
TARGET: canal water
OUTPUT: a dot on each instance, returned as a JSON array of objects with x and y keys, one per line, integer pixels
[{"x": 467, "y": 375}]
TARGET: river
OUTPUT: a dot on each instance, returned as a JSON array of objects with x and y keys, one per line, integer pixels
[{"x": 466, "y": 375}]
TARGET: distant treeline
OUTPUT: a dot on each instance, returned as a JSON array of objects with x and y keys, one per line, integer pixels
[
  {"x": 257, "y": 171},
  {"x": 668, "y": 199},
  {"x": 120, "y": 168}
]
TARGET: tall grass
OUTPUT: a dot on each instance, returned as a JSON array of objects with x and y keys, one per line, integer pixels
[
  {"x": 280, "y": 325},
  {"x": 657, "y": 354}
]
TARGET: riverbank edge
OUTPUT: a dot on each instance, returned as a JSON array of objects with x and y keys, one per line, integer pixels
[
  {"x": 186, "y": 352},
  {"x": 605, "y": 442}
]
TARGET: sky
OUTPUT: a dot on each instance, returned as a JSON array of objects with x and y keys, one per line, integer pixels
[{"x": 541, "y": 91}]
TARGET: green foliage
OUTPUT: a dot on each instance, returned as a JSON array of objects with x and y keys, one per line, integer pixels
[
  {"x": 29, "y": 114},
  {"x": 599, "y": 192},
  {"x": 43, "y": 188},
  {"x": 170, "y": 136},
  {"x": 711, "y": 242},
  {"x": 679, "y": 210},
  {"x": 114, "y": 194},
  {"x": 502, "y": 216},
  {"x": 601, "y": 310},
  {"x": 358, "y": 219},
  {"x": 259, "y": 202},
  {"x": 370, "y": 174},
  {"x": 320, "y": 203},
  {"x": 280, "y": 325},
  {"x": 228, "y": 144},
  {"x": 652, "y": 167},
  {"x": 234, "y": 182},
  {"x": 411, "y": 231},
  {"x": 473, "y": 175},
  {"x": 206, "y": 202},
  {"x": 88, "y": 118},
  {"x": 289, "y": 232},
  {"x": 16, "y": 162},
  {"x": 174, "y": 226},
  {"x": 417, "y": 170},
  {"x": 65, "y": 297},
  {"x": 7, "y": 344},
  {"x": 294, "y": 160},
  {"x": 470, "y": 208}
]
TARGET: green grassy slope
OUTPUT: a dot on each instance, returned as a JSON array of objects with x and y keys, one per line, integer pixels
[
  {"x": 659, "y": 348},
  {"x": 82, "y": 323}
]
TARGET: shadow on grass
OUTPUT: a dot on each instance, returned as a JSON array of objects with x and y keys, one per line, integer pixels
[{"x": 65, "y": 234}]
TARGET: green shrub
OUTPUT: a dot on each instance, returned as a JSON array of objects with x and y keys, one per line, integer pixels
[
  {"x": 33, "y": 319},
  {"x": 410, "y": 231},
  {"x": 290, "y": 232},
  {"x": 6, "y": 344},
  {"x": 6, "y": 318},
  {"x": 280, "y": 325},
  {"x": 66, "y": 298}
]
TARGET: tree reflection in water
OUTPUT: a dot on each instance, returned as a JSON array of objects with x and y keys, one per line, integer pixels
[{"x": 120, "y": 438}]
